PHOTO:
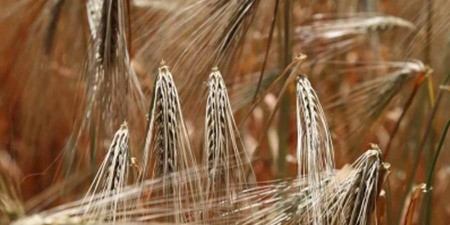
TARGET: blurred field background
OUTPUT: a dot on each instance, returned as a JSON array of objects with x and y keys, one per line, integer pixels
[{"x": 44, "y": 74}]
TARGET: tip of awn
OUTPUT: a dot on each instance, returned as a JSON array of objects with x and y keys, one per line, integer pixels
[{"x": 124, "y": 125}]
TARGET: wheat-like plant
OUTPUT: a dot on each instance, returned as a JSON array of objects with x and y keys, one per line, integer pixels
[
  {"x": 354, "y": 194},
  {"x": 315, "y": 154},
  {"x": 167, "y": 143},
  {"x": 112, "y": 86},
  {"x": 218, "y": 192},
  {"x": 111, "y": 178},
  {"x": 80, "y": 75},
  {"x": 228, "y": 165}
]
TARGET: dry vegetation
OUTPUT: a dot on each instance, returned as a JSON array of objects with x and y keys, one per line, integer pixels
[{"x": 314, "y": 112}]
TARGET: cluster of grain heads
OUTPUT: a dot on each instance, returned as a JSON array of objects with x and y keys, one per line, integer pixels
[
  {"x": 348, "y": 198},
  {"x": 353, "y": 198},
  {"x": 180, "y": 32},
  {"x": 173, "y": 189}
]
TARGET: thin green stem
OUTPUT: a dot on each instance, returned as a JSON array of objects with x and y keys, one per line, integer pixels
[
  {"x": 423, "y": 141},
  {"x": 430, "y": 173}
]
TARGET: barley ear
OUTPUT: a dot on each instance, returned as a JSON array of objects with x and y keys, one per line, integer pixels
[
  {"x": 111, "y": 178},
  {"x": 315, "y": 154}
]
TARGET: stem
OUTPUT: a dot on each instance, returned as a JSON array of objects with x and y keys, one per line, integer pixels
[
  {"x": 272, "y": 27},
  {"x": 389, "y": 218},
  {"x": 428, "y": 50},
  {"x": 92, "y": 147},
  {"x": 128, "y": 15},
  {"x": 284, "y": 115},
  {"x": 430, "y": 175},
  {"x": 287, "y": 33},
  {"x": 423, "y": 141}
]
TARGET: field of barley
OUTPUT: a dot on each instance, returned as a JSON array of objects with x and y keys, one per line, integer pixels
[{"x": 208, "y": 112}]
